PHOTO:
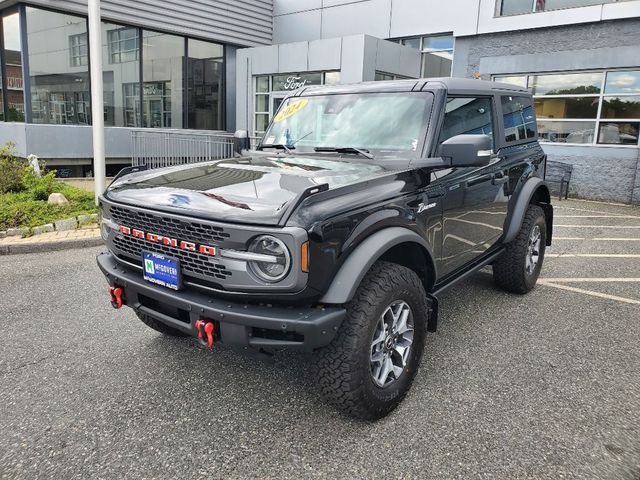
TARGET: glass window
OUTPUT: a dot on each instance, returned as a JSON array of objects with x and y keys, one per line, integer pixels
[
  {"x": 621, "y": 107},
  {"x": 262, "y": 84},
  {"x": 124, "y": 44},
  {"x": 59, "y": 90},
  {"x": 516, "y": 7},
  {"x": 567, "y": 107},
  {"x": 293, "y": 81},
  {"x": 626, "y": 81},
  {"x": 162, "y": 76},
  {"x": 566, "y": 84},
  {"x": 121, "y": 75},
  {"x": 566, "y": 131},
  {"x": 518, "y": 117},
  {"x": 389, "y": 123},
  {"x": 520, "y": 80},
  {"x": 12, "y": 58},
  {"x": 204, "y": 85},
  {"x": 467, "y": 116},
  {"x": 331, "y": 78},
  {"x": 411, "y": 42},
  {"x": 79, "y": 50},
  {"x": 625, "y": 133},
  {"x": 437, "y": 56}
]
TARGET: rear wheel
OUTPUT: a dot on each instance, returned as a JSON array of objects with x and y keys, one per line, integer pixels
[
  {"x": 370, "y": 365},
  {"x": 159, "y": 326},
  {"x": 518, "y": 268}
]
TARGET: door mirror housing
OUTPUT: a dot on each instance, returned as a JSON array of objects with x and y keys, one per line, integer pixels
[
  {"x": 467, "y": 150},
  {"x": 241, "y": 141}
]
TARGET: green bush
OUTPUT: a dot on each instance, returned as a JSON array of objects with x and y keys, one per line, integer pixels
[{"x": 12, "y": 170}]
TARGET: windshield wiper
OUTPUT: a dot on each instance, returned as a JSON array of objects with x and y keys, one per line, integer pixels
[
  {"x": 359, "y": 151},
  {"x": 279, "y": 146}
]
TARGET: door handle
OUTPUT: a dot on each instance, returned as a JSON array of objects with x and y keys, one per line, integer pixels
[{"x": 499, "y": 178}]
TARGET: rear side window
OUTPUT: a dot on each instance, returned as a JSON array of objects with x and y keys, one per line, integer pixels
[
  {"x": 467, "y": 116},
  {"x": 519, "y": 119}
]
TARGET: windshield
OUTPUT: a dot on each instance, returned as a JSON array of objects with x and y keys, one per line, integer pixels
[{"x": 386, "y": 124}]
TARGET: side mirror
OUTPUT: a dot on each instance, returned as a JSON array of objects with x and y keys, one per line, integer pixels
[
  {"x": 241, "y": 141},
  {"x": 467, "y": 150}
]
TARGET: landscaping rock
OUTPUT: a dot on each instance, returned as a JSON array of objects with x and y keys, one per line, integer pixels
[
  {"x": 17, "y": 232},
  {"x": 42, "y": 229},
  {"x": 67, "y": 224},
  {"x": 3, "y": 233},
  {"x": 95, "y": 218},
  {"x": 85, "y": 219},
  {"x": 57, "y": 199}
]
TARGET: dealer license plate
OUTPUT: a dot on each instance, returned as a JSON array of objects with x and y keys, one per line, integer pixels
[{"x": 161, "y": 270}]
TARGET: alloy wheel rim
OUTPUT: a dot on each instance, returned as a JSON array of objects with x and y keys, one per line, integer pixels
[
  {"x": 533, "y": 250},
  {"x": 391, "y": 344}
]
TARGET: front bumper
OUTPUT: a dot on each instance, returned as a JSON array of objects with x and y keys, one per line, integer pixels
[{"x": 257, "y": 326}]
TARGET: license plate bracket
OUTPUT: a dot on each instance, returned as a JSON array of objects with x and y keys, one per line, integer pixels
[{"x": 162, "y": 270}]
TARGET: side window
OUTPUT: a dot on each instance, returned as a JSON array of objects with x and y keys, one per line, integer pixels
[
  {"x": 519, "y": 119},
  {"x": 467, "y": 116}
]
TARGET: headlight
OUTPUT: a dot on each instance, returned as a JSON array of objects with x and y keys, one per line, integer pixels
[{"x": 275, "y": 258}]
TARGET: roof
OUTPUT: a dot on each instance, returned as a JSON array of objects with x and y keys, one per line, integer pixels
[{"x": 451, "y": 84}]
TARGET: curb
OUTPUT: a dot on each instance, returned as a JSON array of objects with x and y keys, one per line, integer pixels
[{"x": 50, "y": 246}]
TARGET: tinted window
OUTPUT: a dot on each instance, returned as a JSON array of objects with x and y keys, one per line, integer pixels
[
  {"x": 467, "y": 116},
  {"x": 519, "y": 118}
]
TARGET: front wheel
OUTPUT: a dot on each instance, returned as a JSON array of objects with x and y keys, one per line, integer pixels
[
  {"x": 370, "y": 365},
  {"x": 518, "y": 268}
]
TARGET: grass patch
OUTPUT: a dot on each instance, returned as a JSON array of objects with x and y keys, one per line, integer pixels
[
  {"x": 23, "y": 195},
  {"x": 21, "y": 209}
]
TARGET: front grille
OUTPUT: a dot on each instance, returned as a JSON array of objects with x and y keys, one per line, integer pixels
[
  {"x": 193, "y": 264},
  {"x": 170, "y": 227}
]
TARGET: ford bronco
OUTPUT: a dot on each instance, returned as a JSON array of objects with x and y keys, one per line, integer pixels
[{"x": 338, "y": 231}]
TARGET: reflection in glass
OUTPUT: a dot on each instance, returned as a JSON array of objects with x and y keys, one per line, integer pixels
[
  {"x": 623, "y": 82},
  {"x": 567, "y": 107},
  {"x": 520, "y": 80},
  {"x": 262, "y": 122},
  {"x": 331, "y": 78},
  {"x": 163, "y": 57},
  {"x": 121, "y": 74},
  {"x": 516, "y": 7},
  {"x": 59, "y": 80},
  {"x": 566, "y": 84},
  {"x": 293, "y": 81},
  {"x": 204, "y": 85},
  {"x": 566, "y": 132},
  {"x": 624, "y": 133},
  {"x": 262, "y": 84},
  {"x": 467, "y": 116},
  {"x": 12, "y": 58},
  {"x": 411, "y": 42},
  {"x": 438, "y": 42},
  {"x": 518, "y": 117},
  {"x": 621, "y": 107},
  {"x": 436, "y": 64}
]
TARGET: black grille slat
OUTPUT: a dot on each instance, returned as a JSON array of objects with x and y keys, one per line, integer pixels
[
  {"x": 171, "y": 227},
  {"x": 192, "y": 264}
]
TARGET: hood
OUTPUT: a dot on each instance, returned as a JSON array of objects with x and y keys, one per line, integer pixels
[{"x": 255, "y": 190}]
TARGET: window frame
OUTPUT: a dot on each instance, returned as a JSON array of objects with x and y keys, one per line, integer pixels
[
  {"x": 73, "y": 46},
  {"x": 500, "y": 7},
  {"x": 598, "y": 120}
]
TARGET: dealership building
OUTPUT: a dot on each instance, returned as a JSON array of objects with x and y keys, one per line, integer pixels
[{"x": 220, "y": 65}]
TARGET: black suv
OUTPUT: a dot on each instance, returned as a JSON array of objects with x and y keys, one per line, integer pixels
[{"x": 360, "y": 204}]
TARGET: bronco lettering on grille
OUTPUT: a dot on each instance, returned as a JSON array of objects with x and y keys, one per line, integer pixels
[{"x": 169, "y": 242}]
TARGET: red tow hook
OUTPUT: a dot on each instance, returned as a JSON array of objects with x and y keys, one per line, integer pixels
[
  {"x": 205, "y": 328},
  {"x": 116, "y": 297}
]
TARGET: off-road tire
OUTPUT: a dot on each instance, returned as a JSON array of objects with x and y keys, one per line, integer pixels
[
  {"x": 343, "y": 368},
  {"x": 509, "y": 270},
  {"x": 159, "y": 326}
]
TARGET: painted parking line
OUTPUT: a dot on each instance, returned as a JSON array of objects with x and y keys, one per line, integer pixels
[
  {"x": 558, "y": 207},
  {"x": 596, "y": 216},
  {"x": 596, "y": 226},
  {"x": 589, "y": 292},
  {"x": 593, "y": 255},
  {"x": 599, "y": 239},
  {"x": 590, "y": 280}
]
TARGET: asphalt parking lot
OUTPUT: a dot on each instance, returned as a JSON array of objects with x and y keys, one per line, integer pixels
[{"x": 539, "y": 386}]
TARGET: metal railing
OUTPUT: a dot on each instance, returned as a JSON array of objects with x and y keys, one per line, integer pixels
[{"x": 165, "y": 148}]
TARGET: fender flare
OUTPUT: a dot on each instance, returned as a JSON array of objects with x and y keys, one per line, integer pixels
[
  {"x": 345, "y": 283},
  {"x": 516, "y": 215}
]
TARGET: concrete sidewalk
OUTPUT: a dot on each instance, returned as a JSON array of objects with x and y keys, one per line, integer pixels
[{"x": 84, "y": 237}]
